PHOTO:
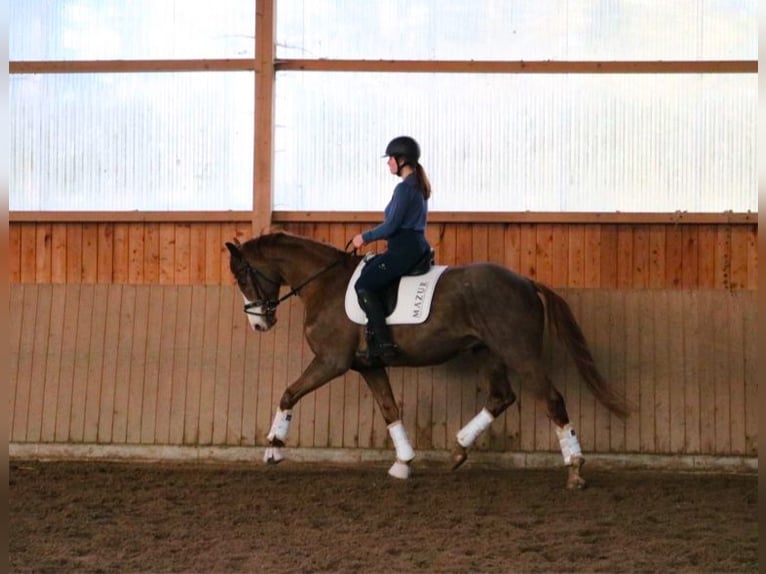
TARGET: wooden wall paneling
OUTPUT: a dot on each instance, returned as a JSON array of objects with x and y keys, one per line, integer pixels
[
  {"x": 23, "y": 362},
  {"x": 239, "y": 336},
  {"x": 105, "y": 255},
  {"x": 136, "y": 253},
  {"x": 14, "y": 253},
  {"x": 544, "y": 253},
  {"x": 624, "y": 257},
  {"x": 576, "y": 256},
  {"x": 641, "y": 252},
  {"x": 656, "y": 271},
  {"x": 67, "y": 367},
  {"x": 59, "y": 249},
  {"x": 138, "y": 358},
  {"x": 208, "y": 368},
  {"x": 664, "y": 370},
  {"x": 739, "y": 257},
  {"x": 602, "y": 353},
  {"x": 706, "y": 249},
  {"x": 722, "y": 257},
  {"x": 196, "y": 360},
  {"x": 705, "y": 360},
  {"x": 97, "y": 358},
  {"x": 43, "y": 232},
  {"x": 609, "y": 248},
  {"x": 674, "y": 257},
  {"x": 109, "y": 374},
  {"x": 41, "y": 327},
  {"x": 119, "y": 432},
  {"x": 81, "y": 364},
  {"x": 735, "y": 352},
  {"x": 223, "y": 359},
  {"x": 154, "y": 358},
  {"x": 166, "y": 252},
  {"x": 512, "y": 251},
  {"x": 28, "y": 260},
  {"x": 52, "y": 360},
  {"x": 439, "y": 437},
  {"x": 221, "y": 253},
  {"x": 617, "y": 364},
  {"x": 720, "y": 368},
  {"x": 648, "y": 373},
  {"x": 213, "y": 243},
  {"x": 586, "y": 316},
  {"x": 89, "y": 272},
  {"x": 424, "y": 419},
  {"x": 592, "y": 256},
  {"x": 178, "y": 371},
  {"x": 632, "y": 374},
  {"x": 197, "y": 240},
  {"x": 527, "y": 250},
  {"x": 690, "y": 257},
  {"x": 676, "y": 379},
  {"x": 182, "y": 254},
  {"x": 559, "y": 256},
  {"x": 752, "y": 402},
  {"x": 152, "y": 247},
  {"x": 166, "y": 350},
  {"x": 496, "y": 243},
  {"x": 752, "y": 259},
  {"x": 121, "y": 253},
  {"x": 691, "y": 371}
]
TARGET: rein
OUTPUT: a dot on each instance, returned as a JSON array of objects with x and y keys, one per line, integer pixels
[{"x": 270, "y": 305}]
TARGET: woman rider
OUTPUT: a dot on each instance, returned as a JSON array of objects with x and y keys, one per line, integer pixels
[{"x": 403, "y": 227}]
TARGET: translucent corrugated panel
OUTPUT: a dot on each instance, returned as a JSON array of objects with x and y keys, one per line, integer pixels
[
  {"x": 131, "y": 141},
  {"x": 518, "y": 29},
  {"x": 516, "y": 142},
  {"x": 138, "y": 29}
]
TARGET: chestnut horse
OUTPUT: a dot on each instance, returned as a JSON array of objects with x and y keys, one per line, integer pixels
[{"x": 483, "y": 308}]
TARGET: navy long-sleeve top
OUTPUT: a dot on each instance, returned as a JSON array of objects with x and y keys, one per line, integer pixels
[{"x": 408, "y": 209}]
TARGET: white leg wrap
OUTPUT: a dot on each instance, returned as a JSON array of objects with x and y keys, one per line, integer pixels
[
  {"x": 402, "y": 444},
  {"x": 400, "y": 470},
  {"x": 570, "y": 446},
  {"x": 280, "y": 426},
  {"x": 474, "y": 428}
]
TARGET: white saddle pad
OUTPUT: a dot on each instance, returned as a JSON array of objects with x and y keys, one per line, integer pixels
[{"x": 413, "y": 303}]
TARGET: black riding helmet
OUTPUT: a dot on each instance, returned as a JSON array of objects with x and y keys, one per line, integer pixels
[{"x": 404, "y": 147}]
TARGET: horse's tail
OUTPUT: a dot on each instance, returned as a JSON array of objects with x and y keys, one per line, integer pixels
[{"x": 568, "y": 330}]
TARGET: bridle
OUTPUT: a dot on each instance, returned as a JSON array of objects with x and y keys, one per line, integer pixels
[{"x": 269, "y": 305}]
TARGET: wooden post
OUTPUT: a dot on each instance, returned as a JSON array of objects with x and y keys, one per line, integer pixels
[{"x": 264, "y": 111}]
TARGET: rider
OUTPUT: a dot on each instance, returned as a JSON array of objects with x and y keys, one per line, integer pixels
[{"x": 404, "y": 228}]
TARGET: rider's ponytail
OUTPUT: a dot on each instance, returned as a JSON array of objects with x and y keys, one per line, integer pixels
[{"x": 423, "y": 181}]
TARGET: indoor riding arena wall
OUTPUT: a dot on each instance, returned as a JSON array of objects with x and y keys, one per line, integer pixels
[{"x": 128, "y": 340}]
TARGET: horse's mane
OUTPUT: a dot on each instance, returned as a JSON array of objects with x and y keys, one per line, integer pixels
[{"x": 281, "y": 238}]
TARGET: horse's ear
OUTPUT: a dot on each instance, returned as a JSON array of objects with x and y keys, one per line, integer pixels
[{"x": 234, "y": 248}]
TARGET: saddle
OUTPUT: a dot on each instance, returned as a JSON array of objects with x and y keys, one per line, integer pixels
[{"x": 390, "y": 294}]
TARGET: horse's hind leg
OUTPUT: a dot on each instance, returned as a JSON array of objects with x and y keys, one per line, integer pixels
[
  {"x": 543, "y": 390},
  {"x": 380, "y": 386},
  {"x": 499, "y": 399}
]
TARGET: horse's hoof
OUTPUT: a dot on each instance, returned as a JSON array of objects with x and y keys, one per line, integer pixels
[
  {"x": 575, "y": 481},
  {"x": 459, "y": 456},
  {"x": 273, "y": 455},
  {"x": 399, "y": 470}
]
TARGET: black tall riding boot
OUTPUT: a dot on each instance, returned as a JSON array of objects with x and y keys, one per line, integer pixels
[{"x": 379, "y": 342}]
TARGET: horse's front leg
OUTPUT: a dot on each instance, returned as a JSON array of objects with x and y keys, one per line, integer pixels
[
  {"x": 380, "y": 386},
  {"x": 319, "y": 372}
]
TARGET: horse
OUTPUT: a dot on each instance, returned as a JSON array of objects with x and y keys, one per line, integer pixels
[{"x": 484, "y": 309}]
